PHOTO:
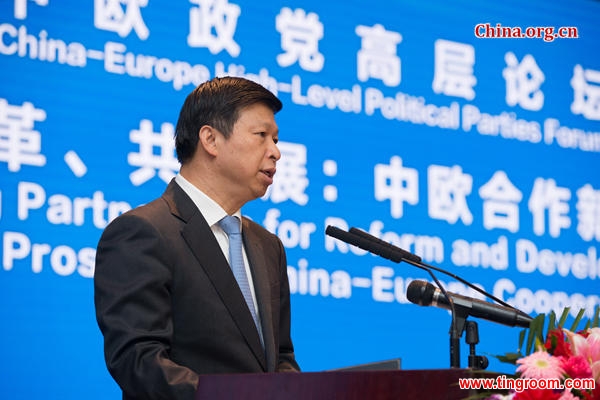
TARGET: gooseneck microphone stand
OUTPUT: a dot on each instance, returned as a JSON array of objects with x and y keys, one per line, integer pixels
[{"x": 459, "y": 312}]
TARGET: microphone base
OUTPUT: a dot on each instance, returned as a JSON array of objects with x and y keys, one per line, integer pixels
[{"x": 478, "y": 362}]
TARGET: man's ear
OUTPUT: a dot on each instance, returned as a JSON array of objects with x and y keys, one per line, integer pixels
[{"x": 207, "y": 138}]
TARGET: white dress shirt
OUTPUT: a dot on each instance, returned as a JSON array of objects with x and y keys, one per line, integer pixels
[{"x": 213, "y": 213}]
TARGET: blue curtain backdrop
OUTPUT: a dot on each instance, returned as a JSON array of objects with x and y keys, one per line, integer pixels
[{"x": 465, "y": 132}]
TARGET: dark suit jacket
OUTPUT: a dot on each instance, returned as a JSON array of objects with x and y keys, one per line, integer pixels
[{"x": 169, "y": 307}]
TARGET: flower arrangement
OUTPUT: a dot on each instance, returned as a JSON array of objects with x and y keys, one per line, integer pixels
[{"x": 568, "y": 356}]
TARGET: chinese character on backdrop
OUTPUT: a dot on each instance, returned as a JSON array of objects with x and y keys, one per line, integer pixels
[
  {"x": 300, "y": 35},
  {"x": 453, "y": 69},
  {"x": 213, "y": 24},
  {"x": 20, "y": 144},
  {"x": 147, "y": 159},
  {"x": 523, "y": 81},
  {"x": 109, "y": 15},
  {"x": 378, "y": 56}
]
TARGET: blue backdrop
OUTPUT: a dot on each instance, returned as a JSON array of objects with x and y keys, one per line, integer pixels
[{"x": 465, "y": 132}]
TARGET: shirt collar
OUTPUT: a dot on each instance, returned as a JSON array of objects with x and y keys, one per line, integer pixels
[{"x": 210, "y": 209}]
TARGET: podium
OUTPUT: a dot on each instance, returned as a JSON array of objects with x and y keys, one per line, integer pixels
[{"x": 433, "y": 384}]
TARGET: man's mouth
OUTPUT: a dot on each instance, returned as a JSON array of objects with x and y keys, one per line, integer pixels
[{"x": 269, "y": 172}]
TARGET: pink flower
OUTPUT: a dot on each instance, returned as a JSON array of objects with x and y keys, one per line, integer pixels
[
  {"x": 588, "y": 347},
  {"x": 593, "y": 354},
  {"x": 594, "y": 394},
  {"x": 567, "y": 395},
  {"x": 540, "y": 365},
  {"x": 576, "y": 367},
  {"x": 509, "y": 396},
  {"x": 596, "y": 373},
  {"x": 537, "y": 394}
]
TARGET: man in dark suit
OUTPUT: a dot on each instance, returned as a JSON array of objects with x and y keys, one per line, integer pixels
[{"x": 167, "y": 301}]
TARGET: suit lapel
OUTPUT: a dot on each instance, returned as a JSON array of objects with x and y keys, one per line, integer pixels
[{"x": 207, "y": 251}]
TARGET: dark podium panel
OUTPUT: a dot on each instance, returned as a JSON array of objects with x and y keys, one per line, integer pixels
[{"x": 431, "y": 384}]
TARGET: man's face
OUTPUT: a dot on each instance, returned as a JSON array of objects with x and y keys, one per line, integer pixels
[{"x": 247, "y": 158}]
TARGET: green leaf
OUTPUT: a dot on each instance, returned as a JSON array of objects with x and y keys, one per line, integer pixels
[
  {"x": 551, "y": 321},
  {"x": 509, "y": 358},
  {"x": 535, "y": 337},
  {"x": 536, "y": 330},
  {"x": 521, "y": 339},
  {"x": 577, "y": 320},
  {"x": 563, "y": 317}
]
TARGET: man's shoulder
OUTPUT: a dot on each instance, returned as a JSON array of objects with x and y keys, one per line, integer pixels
[
  {"x": 146, "y": 210},
  {"x": 258, "y": 229},
  {"x": 145, "y": 215},
  {"x": 165, "y": 204}
]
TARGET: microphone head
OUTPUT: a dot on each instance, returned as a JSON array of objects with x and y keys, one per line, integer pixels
[
  {"x": 420, "y": 292},
  {"x": 330, "y": 230}
]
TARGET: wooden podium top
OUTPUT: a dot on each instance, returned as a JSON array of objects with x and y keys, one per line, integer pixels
[{"x": 430, "y": 384}]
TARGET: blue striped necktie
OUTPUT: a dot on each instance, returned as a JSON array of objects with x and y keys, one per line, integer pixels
[{"x": 231, "y": 226}]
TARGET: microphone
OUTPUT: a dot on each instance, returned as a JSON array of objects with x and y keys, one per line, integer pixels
[
  {"x": 425, "y": 294},
  {"x": 370, "y": 243},
  {"x": 415, "y": 260},
  {"x": 365, "y": 244},
  {"x": 399, "y": 252}
]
